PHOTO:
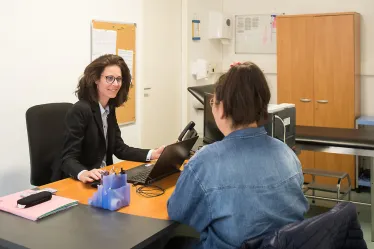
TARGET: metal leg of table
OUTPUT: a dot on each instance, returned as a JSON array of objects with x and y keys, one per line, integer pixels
[
  {"x": 357, "y": 172},
  {"x": 372, "y": 197}
]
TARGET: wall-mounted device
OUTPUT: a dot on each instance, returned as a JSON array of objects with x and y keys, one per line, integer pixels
[{"x": 220, "y": 26}]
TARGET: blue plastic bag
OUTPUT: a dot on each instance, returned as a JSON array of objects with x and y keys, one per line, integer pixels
[{"x": 113, "y": 194}]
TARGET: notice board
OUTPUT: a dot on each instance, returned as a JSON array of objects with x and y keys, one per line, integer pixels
[{"x": 119, "y": 39}]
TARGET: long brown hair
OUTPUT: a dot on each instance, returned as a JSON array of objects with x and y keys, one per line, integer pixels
[
  {"x": 245, "y": 94},
  {"x": 87, "y": 88}
]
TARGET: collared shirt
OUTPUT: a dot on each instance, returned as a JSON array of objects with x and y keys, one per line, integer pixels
[
  {"x": 246, "y": 185},
  {"x": 104, "y": 116}
]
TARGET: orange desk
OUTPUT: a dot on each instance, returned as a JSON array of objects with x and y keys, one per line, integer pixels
[{"x": 139, "y": 205}]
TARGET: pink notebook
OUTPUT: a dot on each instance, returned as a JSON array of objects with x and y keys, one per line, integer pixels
[{"x": 57, "y": 203}]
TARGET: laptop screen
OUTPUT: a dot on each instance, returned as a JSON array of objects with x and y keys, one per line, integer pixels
[{"x": 172, "y": 158}]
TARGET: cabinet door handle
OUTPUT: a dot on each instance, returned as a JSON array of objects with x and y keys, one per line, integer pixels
[
  {"x": 147, "y": 88},
  {"x": 305, "y": 100},
  {"x": 322, "y": 101}
]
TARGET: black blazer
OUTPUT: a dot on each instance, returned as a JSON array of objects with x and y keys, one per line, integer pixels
[{"x": 84, "y": 143}]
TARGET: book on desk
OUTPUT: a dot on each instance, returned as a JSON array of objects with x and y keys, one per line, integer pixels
[{"x": 56, "y": 204}]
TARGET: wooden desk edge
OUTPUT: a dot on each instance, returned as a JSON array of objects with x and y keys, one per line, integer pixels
[{"x": 140, "y": 206}]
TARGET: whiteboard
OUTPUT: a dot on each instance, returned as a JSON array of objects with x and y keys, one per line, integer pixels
[{"x": 255, "y": 34}]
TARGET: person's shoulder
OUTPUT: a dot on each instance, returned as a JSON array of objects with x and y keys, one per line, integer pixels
[
  {"x": 207, "y": 149},
  {"x": 283, "y": 148},
  {"x": 207, "y": 153},
  {"x": 213, "y": 150},
  {"x": 81, "y": 107}
]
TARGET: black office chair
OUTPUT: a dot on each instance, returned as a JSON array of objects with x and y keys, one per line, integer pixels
[
  {"x": 337, "y": 228},
  {"x": 45, "y": 127}
]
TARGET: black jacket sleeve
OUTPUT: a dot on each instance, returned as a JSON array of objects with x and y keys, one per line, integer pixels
[
  {"x": 75, "y": 122},
  {"x": 124, "y": 152}
]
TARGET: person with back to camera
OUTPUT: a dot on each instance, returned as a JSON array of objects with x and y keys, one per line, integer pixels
[
  {"x": 92, "y": 135},
  {"x": 246, "y": 185}
]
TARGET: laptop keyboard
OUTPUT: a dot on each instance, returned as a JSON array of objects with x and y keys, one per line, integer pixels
[{"x": 139, "y": 174}]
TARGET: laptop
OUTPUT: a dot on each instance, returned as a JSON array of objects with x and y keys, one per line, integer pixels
[{"x": 169, "y": 162}]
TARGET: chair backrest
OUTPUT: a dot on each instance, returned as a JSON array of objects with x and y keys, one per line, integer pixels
[
  {"x": 45, "y": 129},
  {"x": 336, "y": 228}
]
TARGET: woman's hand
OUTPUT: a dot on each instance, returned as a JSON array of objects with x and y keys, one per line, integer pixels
[{"x": 90, "y": 176}]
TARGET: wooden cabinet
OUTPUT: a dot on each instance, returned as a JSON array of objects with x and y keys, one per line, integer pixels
[{"x": 318, "y": 68}]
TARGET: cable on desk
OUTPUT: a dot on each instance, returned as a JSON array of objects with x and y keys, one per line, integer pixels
[{"x": 150, "y": 191}]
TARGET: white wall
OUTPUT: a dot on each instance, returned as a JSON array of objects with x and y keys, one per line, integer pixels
[
  {"x": 44, "y": 47},
  {"x": 210, "y": 50},
  {"x": 268, "y": 62}
]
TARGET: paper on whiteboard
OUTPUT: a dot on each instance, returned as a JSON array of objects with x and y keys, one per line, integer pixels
[
  {"x": 247, "y": 24},
  {"x": 103, "y": 42},
  {"x": 247, "y": 27},
  {"x": 128, "y": 57},
  {"x": 273, "y": 23},
  {"x": 255, "y": 34}
]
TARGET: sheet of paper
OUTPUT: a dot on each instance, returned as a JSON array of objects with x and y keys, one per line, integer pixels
[
  {"x": 199, "y": 68},
  {"x": 274, "y": 23},
  {"x": 128, "y": 56},
  {"x": 103, "y": 42},
  {"x": 194, "y": 68},
  {"x": 202, "y": 69}
]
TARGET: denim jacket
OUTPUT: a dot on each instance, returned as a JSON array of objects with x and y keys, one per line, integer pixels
[{"x": 246, "y": 185}]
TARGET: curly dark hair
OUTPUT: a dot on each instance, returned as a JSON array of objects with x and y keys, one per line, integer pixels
[
  {"x": 245, "y": 94},
  {"x": 87, "y": 88}
]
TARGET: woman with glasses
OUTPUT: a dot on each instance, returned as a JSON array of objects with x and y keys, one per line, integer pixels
[
  {"x": 246, "y": 185},
  {"x": 92, "y": 135}
]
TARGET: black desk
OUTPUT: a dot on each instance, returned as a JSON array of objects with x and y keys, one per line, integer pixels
[
  {"x": 82, "y": 227},
  {"x": 357, "y": 139},
  {"x": 357, "y": 142},
  {"x": 199, "y": 91}
]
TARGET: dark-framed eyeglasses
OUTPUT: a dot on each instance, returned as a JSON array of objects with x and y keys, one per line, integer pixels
[{"x": 110, "y": 79}]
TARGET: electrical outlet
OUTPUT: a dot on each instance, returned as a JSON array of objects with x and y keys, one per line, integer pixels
[{"x": 213, "y": 68}]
